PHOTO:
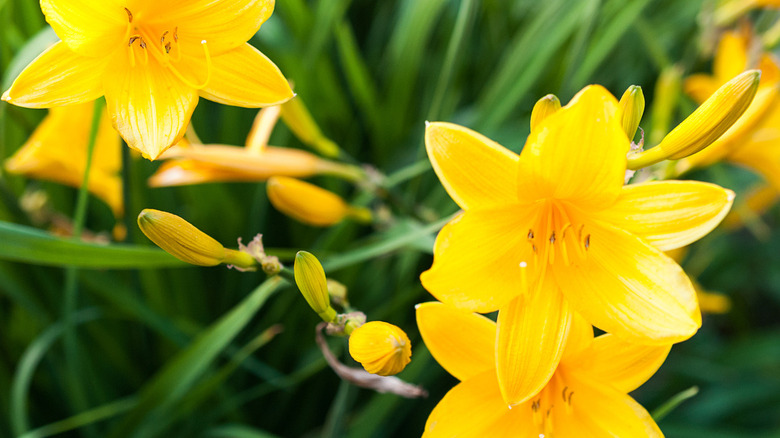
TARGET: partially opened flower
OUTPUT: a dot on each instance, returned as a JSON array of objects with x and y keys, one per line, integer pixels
[
  {"x": 311, "y": 204},
  {"x": 585, "y": 397},
  {"x": 381, "y": 348},
  {"x": 57, "y": 151},
  {"x": 554, "y": 230},
  {"x": 194, "y": 163},
  {"x": 151, "y": 60},
  {"x": 754, "y": 141}
]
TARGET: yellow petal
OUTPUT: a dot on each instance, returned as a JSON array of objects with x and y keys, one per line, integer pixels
[
  {"x": 244, "y": 77},
  {"x": 578, "y": 153},
  {"x": 87, "y": 27},
  {"x": 532, "y": 331},
  {"x": 474, "y": 170},
  {"x": 462, "y": 342},
  {"x": 474, "y": 409},
  {"x": 613, "y": 361},
  {"x": 700, "y": 87},
  {"x": 57, "y": 77},
  {"x": 225, "y": 24},
  {"x": 580, "y": 336},
  {"x": 731, "y": 57},
  {"x": 761, "y": 152},
  {"x": 670, "y": 214},
  {"x": 186, "y": 172},
  {"x": 264, "y": 123},
  {"x": 598, "y": 410},
  {"x": 631, "y": 289},
  {"x": 477, "y": 256},
  {"x": 149, "y": 106}
]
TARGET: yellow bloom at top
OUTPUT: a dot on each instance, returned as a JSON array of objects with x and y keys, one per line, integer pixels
[
  {"x": 151, "y": 60},
  {"x": 57, "y": 151},
  {"x": 585, "y": 397},
  {"x": 754, "y": 141},
  {"x": 554, "y": 230}
]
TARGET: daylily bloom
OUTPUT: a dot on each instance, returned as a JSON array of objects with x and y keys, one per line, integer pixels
[
  {"x": 151, "y": 60},
  {"x": 754, "y": 141},
  {"x": 554, "y": 230},
  {"x": 57, "y": 151},
  {"x": 586, "y": 396},
  {"x": 730, "y": 10},
  {"x": 194, "y": 163}
]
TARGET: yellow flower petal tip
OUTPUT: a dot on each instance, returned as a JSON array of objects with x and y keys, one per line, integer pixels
[
  {"x": 632, "y": 107},
  {"x": 310, "y": 204},
  {"x": 180, "y": 238},
  {"x": 543, "y": 108},
  {"x": 311, "y": 281},
  {"x": 711, "y": 120},
  {"x": 381, "y": 348}
]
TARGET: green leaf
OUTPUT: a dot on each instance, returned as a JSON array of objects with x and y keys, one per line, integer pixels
[{"x": 29, "y": 245}]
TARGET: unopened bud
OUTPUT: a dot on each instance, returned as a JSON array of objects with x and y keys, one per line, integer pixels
[
  {"x": 185, "y": 242},
  {"x": 310, "y": 204},
  {"x": 632, "y": 106},
  {"x": 714, "y": 117},
  {"x": 544, "y": 108},
  {"x": 381, "y": 348},
  {"x": 310, "y": 278},
  {"x": 297, "y": 117},
  {"x": 338, "y": 293}
]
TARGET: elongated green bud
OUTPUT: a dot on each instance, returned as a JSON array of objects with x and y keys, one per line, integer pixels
[
  {"x": 310, "y": 278},
  {"x": 632, "y": 106},
  {"x": 544, "y": 108},
  {"x": 714, "y": 117}
]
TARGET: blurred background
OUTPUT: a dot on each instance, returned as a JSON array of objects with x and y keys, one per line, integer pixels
[{"x": 371, "y": 73}]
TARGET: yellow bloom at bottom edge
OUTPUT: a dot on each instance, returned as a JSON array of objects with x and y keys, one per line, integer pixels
[{"x": 586, "y": 396}]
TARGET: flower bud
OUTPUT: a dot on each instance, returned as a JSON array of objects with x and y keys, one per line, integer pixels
[
  {"x": 714, "y": 117},
  {"x": 297, "y": 117},
  {"x": 310, "y": 204},
  {"x": 632, "y": 106},
  {"x": 310, "y": 278},
  {"x": 381, "y": 348},
  {"x": 543, "y": 108},
  {"x": 180, "y": 238}
]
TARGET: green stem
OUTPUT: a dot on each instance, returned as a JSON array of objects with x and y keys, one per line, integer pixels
[
  {"x": 673, "y": 403},
  {"x": 70, "y": 295}
]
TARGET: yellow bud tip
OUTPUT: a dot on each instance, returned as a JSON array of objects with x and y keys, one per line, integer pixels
[
  {"x": 381, "y": 348},
  {"x": 7, "y": 96},
  {"x": 180, "y": 238},
  {"x": 306, "y": 202},
  {"x": 544, "y": 108},
  {"x": 710, "y": 120},
  {"x": 311, "y": 280},
  {"x": 632, "y": 107}
]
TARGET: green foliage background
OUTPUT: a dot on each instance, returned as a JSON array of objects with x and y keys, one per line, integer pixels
[{"x": 163, "y": 349}]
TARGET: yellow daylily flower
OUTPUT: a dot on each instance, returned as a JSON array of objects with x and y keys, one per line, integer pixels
[
  {"x": 586, "y": 395},
  {"x": 57, "y": 151},
  {"x": 754, "y": 140},
  {"x": 194, "y": 163},
  {"x": 554, "y": 230},
  {"x": 151, "y": 60}
]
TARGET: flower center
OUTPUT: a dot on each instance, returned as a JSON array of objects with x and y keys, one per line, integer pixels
[
  {"x": 550, "y": 405},
  {"x": 556, "y": 236},
  {"x": 141, "y": 44}
]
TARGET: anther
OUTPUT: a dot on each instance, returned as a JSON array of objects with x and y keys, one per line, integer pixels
[
  {"x": 132, "y": 40},
  {"x": 530, "y": 234},
  {"x": 162, "y": 38},
  {"x": 564, "y": 393},
  {"x": 129, "y": 15},
  {"x": 587, "y": 241},
  {"x": 176, "y": 34},
  {"x": 552, "y": 237},
  {"x": 168, "y": 47}
]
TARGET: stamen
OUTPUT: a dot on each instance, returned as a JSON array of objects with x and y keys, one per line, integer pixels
[
  {"x": 208, "y": 69},
  {"x": 129, "y": 15},
  {"x": 530, "y": 234},
  {"x": 565, "y": 388},
  {"x": 587, "y": 241},
  {"x": 552, "y": 237},
  {"x": 162, "y": 38}
]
